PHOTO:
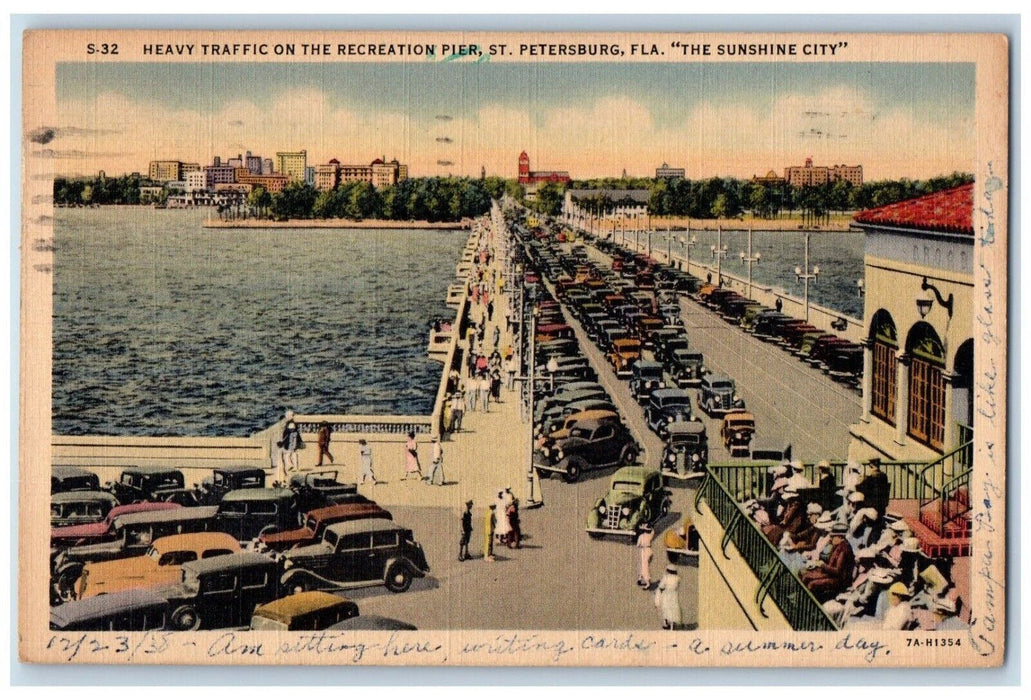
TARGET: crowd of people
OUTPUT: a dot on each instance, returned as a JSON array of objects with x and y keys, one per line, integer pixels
[{"x": 862, "y": 563}]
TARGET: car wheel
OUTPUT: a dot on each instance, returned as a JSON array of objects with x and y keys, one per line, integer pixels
[
  {"x": 398, "y": 578},
  {"x": 185, "y": 619},
  {"x": 629, "y": 455},
  {"x": 572, "y": 471},
  {"x": 646, "y": 513},
  {"x": 66, "y": 583}
]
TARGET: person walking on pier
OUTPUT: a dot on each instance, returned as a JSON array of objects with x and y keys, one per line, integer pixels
[
  {"x": 489, "y": 521},
  {"x": 496, "y": 338},
  {"x": 324, "y": 435},
  {"x": 471, "y": 395},
  {"x": 289, "y": 444},
  {"x": 645, "y": 534},
  {"x": 366, "y": 457},
  {"x": 490, "y": 312},
  {"x": 510, "y": 372},
  {"x": 412, "y": 459},
  {"x": 457, "y": 408},
  {"x": 438, "y": 463},
  {"x": 467, "y": 532},
  {"x": 484, "y": 391},
  {"x": 667, "y": 599}
]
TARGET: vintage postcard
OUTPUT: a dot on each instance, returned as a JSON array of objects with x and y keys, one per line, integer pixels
[{"x": 576, "y": 349}]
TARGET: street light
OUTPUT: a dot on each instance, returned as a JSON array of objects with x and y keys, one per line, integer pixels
[
  {"x": 749, "y": 258},
  {"x": 805, "y": 276},
  {"x": 719, "y": 251},
  {"x": 532, "y": 501},
  {"x": 688, "y": 242}
]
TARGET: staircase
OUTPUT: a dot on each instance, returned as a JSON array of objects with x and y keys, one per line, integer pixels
[{"x": 944, "y": 525}]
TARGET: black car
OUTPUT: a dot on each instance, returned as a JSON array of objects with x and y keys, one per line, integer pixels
[
  {"x": 226, "y": 479},
  {"x": 356, "y": 554},
  {"x": 687, "y": 368},
  {"x": 687, "y": 450},
  {"x": 591, "y": 444},
  {"x": 65, "y": 479},
  {"x": 648, "y": 376},
  {"x": 136, "y": 610},
  {"x": 717, "y": 394},
  {"x": 221, "y": 591},
  {"x": 667, "y": 406},
  {"x": 247, "y": 513},
  {"x": 321, "y": 489},
  {"x": 139, "y": 484}
]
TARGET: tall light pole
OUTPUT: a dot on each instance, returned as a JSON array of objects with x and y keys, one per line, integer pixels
[
  {"x": 669, "y": 246},
  {"x": 805, "y": 276},
  {"x": 531, "y": 474},
  {"x": 719, "y": 251},
  {"x": 749, "y": 258}
]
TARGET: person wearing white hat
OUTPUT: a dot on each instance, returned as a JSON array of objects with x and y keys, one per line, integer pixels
[
  {"x": 791, "y": 517},
  {"x": 821, "y": 550},
  {"x": 794, "y": 546},
  {"x": 853, "y": 502},
  {"x": 503, "y": 526},
  {"x": 667, "y": 599},
  {"x": 900, "y": 610},
  {"x": 946, "y": 615},
  {"x": 833, "y": 577},
  {"x": 438, "y": 463},
  {"x": 797, "y": 480},
  {"x": 850, "y": 480}
]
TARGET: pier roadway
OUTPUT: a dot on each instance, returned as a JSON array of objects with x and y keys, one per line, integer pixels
[{"x": 793, "y": 403}]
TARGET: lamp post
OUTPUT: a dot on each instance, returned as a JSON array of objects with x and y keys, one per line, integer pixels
[
  {"x": 669, "y": 246},
  {"x": 531, "y": 474},
  {"x": 805, "y": 276},
  {"x": 749, "y": 258},
  {"x": 688, "y": 242},
  {"x": 719, "y": 251}
]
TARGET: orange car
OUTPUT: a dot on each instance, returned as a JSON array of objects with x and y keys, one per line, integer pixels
[{"x": 162, "y": 564}]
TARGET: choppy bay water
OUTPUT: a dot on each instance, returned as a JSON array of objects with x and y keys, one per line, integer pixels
[{"x": 162, "y": 327}]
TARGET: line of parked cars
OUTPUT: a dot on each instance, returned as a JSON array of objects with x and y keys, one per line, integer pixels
[
  {"x": 840, "y": 358},
  {"x": 233, "y": 543}
]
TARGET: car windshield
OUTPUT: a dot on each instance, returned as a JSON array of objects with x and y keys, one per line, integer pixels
[
  {"x": 675, "y": 401},
  {"x": 651, "y": 373},
  {"x": 722, "y": 385},
  {"x": 626, "y": 486},
  {"x": 579, "y": 432},
  {"x": 688, "y": 439}
]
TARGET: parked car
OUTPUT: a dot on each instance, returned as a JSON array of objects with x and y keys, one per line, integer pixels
[
  {"x": 316, "y": 523},
  {"x": 556, "y": 418},
  {"x": 636, "y": 495},
  {"x": 161, "y": 564},
  {"x": 356, "y": 554},
  {"x": 737, "y": 431},
  {"x": 667, "y": 406},
  {"x": 648, "y": 376},
  {"x": 226, "y": 479},
  {"x": 625, "y": 352},
  {"x": 73, "y": 535},
  {"x": 308, "y": 611},
  {"x": 687, "y": 368},
  {"x": 80, "y": 507},
  {"x": 686, "y": 452},
  {"x": 717, "y": 394},
  {"x": 247, "y": 513},
  {"x": 136, "y": 610},
  {"x": 221, "y": 591},
  {"x": 574, "y": 419},
  {"x": 591, "y": 444},
  {"x": 138, "y": 484},
  {"x": 845, "y": 364},
  {"x": 682, "y": 543},
  {"x": 64, "y": 479},
  {"x": 132, "y": 537}
]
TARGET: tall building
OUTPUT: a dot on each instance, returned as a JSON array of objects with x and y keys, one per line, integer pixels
[
  {"x": 327, "y": 175},
  {"x": 665, "y": 171},
  {"x": 531, "y": 177},
  {"x": 164, "y": 170},
  {"x": 809, "y": 175},
  {"x": 252, "y": 163},
  {"x": 292, "y": 164},
  {"x": 218, "y": 173},
  {"x": 267, "y": 166}
]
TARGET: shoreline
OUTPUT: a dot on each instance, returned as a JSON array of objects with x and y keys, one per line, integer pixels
[
  {"x": 838, "y": 224},
  {"x": 336, "y": 224}
]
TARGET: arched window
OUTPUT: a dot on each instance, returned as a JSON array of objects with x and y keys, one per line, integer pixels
[
  {"x": 926, "y": 386},
  {"x": 885, "y": 366}
]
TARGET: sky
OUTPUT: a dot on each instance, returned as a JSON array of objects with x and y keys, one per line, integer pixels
[{"x": 593, "y": 120}]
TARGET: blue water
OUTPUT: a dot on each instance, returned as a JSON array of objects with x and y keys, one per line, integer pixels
[
  {"x": 839, "y": 255},
  {"x": 164, "y": 328}
]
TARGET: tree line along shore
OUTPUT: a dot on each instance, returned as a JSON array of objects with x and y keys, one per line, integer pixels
[{"x": 453, "y": 199}]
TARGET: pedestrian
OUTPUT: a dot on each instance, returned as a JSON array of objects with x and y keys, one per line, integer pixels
[
  {"x": 482, "y": 364},
  {"x": 515, "y": 534},
  {"x": 502, "y": 525},
  {"x": 365, "y": 452},
  {"x": 510, "y": 372},
  {"x": 467, "y": 532},
  {"x": 490, "y": 310},
  {"x": 645, "y": 534},
  {"x": 667, "y": 599},
  {"x": 779, "y": 304},
  {"x": 481, "y": 331},
  {"x": 484, "y": 391},
  {"x": 508, "y": 320},
  {"x": 497, "y": 337},
  {"x": 289, "y": 443},
  {"x": 324, "y": 434},
  {"x": 438, "y": 462},
  {"x": 457, "y": 408},
  {"x": 495, "y": 385},
  {"x": 489, "y": 521},
  {"x": 412, "y": 465},
  {"x": 471, "y": 394}
]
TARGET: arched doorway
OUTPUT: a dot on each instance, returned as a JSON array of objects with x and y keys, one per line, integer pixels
[
  {"x": 884, "y": 382},
  {"x": 926, "y": 386},
  {"x": 963, "y": 384}
]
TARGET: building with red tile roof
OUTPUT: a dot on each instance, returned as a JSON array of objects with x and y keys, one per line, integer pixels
[{"x": 948, "y": 211}]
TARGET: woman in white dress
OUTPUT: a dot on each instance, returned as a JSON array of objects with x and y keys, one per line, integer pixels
[{"x": 667, "y": 599}]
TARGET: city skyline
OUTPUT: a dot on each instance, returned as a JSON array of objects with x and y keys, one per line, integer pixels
[{"x": 594, "y": 120}]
